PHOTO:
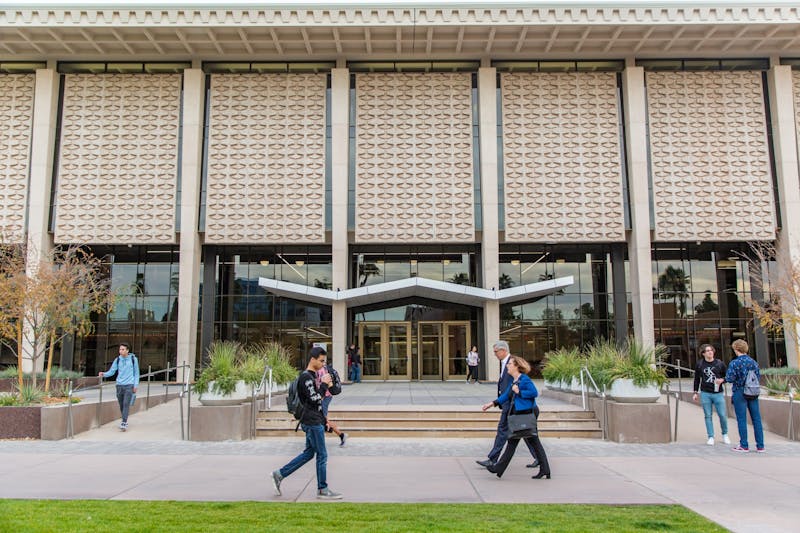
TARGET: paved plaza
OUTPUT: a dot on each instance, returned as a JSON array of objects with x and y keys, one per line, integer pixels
[{"x": 752, "y": 492}]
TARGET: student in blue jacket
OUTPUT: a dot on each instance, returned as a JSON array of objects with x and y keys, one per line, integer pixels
[
  {"x": 525, "y": 394},
  {"x": 126, "y": 366}
]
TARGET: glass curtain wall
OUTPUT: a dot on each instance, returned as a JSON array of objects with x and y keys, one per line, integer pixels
[
  {"x": 574, "y": 316},
  {"x": 145, "y": 314},
  {"x": 378, "y": 264},
  {"x": 247, "y": 313},
  {"x": 701, "y": 295}
]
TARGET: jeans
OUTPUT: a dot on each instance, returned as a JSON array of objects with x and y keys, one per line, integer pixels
[
  {"x": 326, "y": 402},
  {"x": 356, "y": 374},
  {"x": 742, "y": 405},
  {"x": 315, "y": 444},
  {"x": 711, "y": 401},
  {"x": 124, "y": 393}
]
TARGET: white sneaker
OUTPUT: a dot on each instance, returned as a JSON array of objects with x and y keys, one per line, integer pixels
[
  {"x": 710, "y": 441},
  {"x": 725, "y": 439},
  {"x": 328, "y": 494}
]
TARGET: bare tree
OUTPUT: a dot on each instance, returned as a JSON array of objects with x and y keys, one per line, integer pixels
[
  {"x": 55, "y": 298},
  {"x": 778, "y": 278}
]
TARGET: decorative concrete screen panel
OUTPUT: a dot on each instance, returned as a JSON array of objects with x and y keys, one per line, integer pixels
[
  {"x": 118, "y": 162},
  {"x": 414, "y": 175},
  {"x": 562, "y": 170},
  {"x": 709, "y": 157},
  {"x": 16, "y": 117},
  {"x": 266, "y": 159}
]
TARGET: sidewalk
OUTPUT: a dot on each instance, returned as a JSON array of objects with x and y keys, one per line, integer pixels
[{"x": 748, "y": 493}]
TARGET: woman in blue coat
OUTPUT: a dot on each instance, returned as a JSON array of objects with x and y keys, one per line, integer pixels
[{"x": 525, "y": 394}]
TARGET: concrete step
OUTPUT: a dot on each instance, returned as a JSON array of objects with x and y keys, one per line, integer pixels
[{"x": 432, "y": 423}]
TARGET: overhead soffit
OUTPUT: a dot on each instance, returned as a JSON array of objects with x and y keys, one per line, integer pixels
[
  {"x": 355, "y": 33},
  {"x": 414, "y": 287}
]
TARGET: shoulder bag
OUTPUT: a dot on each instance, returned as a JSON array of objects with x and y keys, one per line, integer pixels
[{"x": 522, "y": 425}]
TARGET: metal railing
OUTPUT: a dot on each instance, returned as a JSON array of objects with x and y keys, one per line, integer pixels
[
  {"x": 598, "y": 392},
  {"x": 266, "y": 380},
  {"x": 70, "y": 432},
  {"x": 679, "y": 396}
]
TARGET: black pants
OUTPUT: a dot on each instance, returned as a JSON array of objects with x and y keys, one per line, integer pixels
[
  {"x": 502, "y": 436},
  {"x": 124, "y": 393},
  {"x": 511, "y": 446},
  {"x": 473, "y": 372}
]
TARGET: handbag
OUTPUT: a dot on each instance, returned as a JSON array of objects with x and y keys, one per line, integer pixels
[{"x": 522, "y": 425}]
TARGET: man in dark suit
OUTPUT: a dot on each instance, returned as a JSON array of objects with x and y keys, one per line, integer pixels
[{"x": 503, "y": 354}]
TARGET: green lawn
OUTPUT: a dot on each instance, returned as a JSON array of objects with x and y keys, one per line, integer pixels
[{"x": 104, "y": 515}]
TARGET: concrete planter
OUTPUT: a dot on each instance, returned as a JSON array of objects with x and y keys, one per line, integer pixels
[
  {"x": 17, "y": 422},
  {"x": 575, "y": 386},
  {"x": 624, "y": 391},
  {"x": 242, "y": 393},
  {"x": 564, "y": 385},
  {"x": 552, "y": 385},
  {"x": 221, "y": 422},
  {"x": 9, "y": 384}
]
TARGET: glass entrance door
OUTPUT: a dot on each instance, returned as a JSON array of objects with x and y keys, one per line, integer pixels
[
  {"x": 442, "y": 348},
  {"x": 386, "y": 351}
]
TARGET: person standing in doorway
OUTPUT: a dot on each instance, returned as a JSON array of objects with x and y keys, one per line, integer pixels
[
  {"x": 126, "y": 366},
  {"x": 354, "y": 354},
  {"x": 743, "y": 373},
  {"x": 312, "y": 421},
  {"x": 503, "y": 355},
  {"x": 472, "y": 364},
  {"x": 709, "y": 374}
]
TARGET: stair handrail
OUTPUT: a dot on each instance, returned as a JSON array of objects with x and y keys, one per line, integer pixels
[
  {"x": 601, "y": 393},
  {"x": 254, "y": 400},
  {"x": 70, "y": 430}
]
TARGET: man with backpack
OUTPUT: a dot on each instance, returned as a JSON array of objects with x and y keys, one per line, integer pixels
[
  {"x": 312, "y": 421},
  {"x": 126, "y": 366},
  {"x": 743, "y": 374}
]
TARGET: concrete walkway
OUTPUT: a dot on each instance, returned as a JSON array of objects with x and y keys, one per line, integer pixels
[{"x": 748, "y": 492}]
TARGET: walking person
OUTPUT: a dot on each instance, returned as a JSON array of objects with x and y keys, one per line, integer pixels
[
  {"x": 521, "y": 394},
  {"x": 709, "y": 374},
  {"x": 334, "y": 389},
  {"x": 354, "y": 354},
  {"x": 501, "y": 351},
  {"x": 126, "y": 366},
  {"x": 472, "y": 364},
  {"x": 312, "y": 422},
  {"x": 743, "y": 373}
]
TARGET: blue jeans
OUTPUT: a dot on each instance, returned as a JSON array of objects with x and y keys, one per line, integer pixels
[
  {"x": 315, "y": 444},
  {"x": 124, "y": 393},
  {"x": 356, "y": 371},
  {"x": 742, "y": 405},
  {"x": 711, "y": 401}
]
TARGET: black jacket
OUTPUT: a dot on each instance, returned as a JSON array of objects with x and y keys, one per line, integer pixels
[
  {"x": 311, "y": 397},
  {"x": 502, "y": 386}
]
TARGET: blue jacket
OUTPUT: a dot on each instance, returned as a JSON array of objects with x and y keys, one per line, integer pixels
[
  {"x": 525, "y": 400},
  {"x": 128, "y": 368},
  {"x": 737, "y": 371}
]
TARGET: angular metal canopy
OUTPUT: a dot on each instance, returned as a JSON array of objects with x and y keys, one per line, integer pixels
[{"x": 411, "y": 287}]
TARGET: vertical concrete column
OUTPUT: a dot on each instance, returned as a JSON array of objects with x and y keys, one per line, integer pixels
[
  {"x": 635, "y": 109},
  {"x": 190, "y": 245},
  {"x": 340, "y": 115},
  {"x": 490, "y": 241},
  {"x": 786, "y": 145},
  {"x": 45, "y": 118}
]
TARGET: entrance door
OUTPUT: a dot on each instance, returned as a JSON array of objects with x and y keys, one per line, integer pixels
[
  {"x": 443, "y": 348},
  {"x": 386, "y": 350}
]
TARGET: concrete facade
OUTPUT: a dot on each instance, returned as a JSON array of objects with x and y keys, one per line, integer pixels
[{"x": 349, "y": 131}]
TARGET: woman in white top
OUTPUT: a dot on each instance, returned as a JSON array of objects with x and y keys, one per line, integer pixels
[{"x": 472, "y": 364}]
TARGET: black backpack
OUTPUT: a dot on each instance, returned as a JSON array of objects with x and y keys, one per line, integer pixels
[
  {"x": 336, "y": 381},
  {"x": 293, "y": 404}
]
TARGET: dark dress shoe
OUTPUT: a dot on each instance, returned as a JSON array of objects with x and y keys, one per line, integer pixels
[
  {"x": 533, "y": 464},
  {"x": 492, "y": 468},
  {"x": 540, "y": 475},
  {"x": 486, "y": 464}
]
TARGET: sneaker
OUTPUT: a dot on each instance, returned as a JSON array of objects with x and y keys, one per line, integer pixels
[
  {"x": 725, "y": 439},
  {"x": 328, "y": 494},
  {"x": 123, "y": 426},
  {"x": 343, "y": 439},
  {"x": 761, "y": 450},
  {"x": 276, "y": 481},
  {"x": 740, "y": 449},
  {"x": 710, "y": 441}
]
